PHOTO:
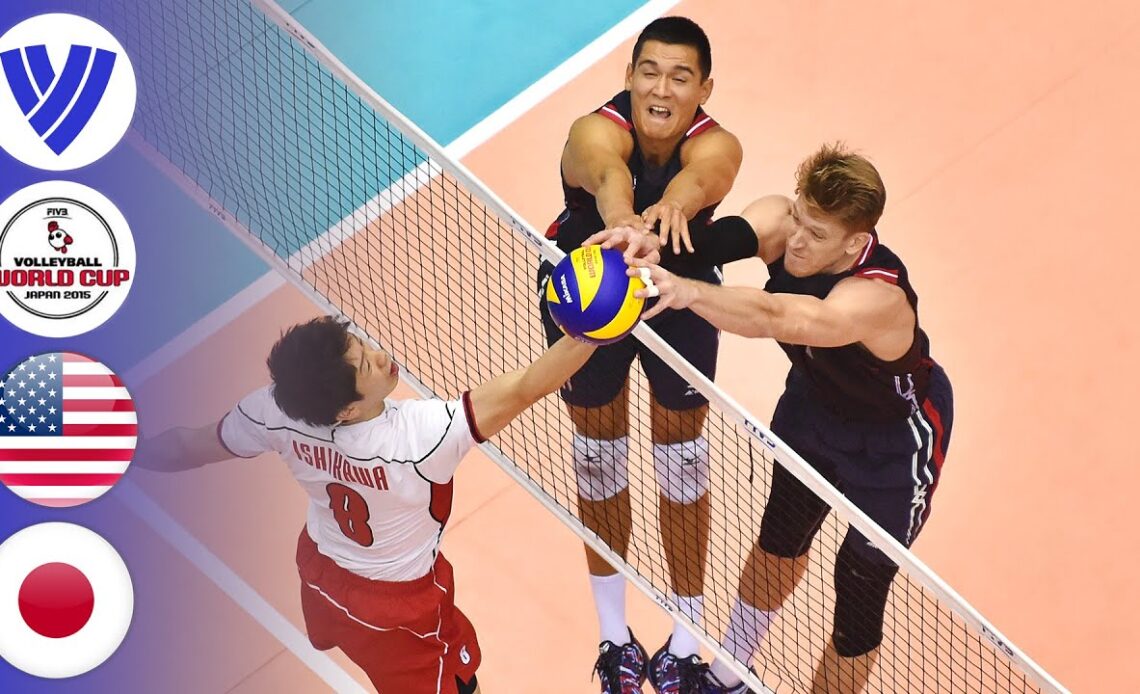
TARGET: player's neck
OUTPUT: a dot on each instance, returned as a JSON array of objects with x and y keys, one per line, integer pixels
[
  {"x": 365, "y": 415},
  {"x": 657, "y": 153}
]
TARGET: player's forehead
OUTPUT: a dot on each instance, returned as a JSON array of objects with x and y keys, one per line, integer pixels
[
  {"x": 355, "y": 350},
  {"x": 813, "y": 217},
  {"x": 669, "y": 56}
]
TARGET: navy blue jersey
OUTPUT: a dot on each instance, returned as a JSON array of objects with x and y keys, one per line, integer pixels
[
  {"x": 580, "y": 219},
  {"x": 849, "y": 380}
]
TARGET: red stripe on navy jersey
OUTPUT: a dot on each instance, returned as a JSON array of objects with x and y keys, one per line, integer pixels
[
  {"x": 610, "y": 111},
  {"x": 704, "y": 124},
  {"x": 878, "y": 273},
  {"x": 935, "y": 418},
  {"x": 871, "y": 243}
]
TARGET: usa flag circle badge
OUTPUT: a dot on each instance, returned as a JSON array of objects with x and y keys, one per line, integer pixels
[
  {"x": 67, "y": 93},
  {"x": 68, "y": 429},
  {"x": 66, "y": 600}
]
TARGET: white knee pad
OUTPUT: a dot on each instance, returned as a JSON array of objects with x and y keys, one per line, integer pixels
[
  {"x": 602, "y": 467},
  {"x": 682, "y": 469}
]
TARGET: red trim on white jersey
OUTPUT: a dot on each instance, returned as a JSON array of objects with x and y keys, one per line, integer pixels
[
  {"x": 878, "y": 273},
  {"x": 470, "y": 414},
  {"x": 612, "y": 113},
  {"x": 700, "y": 126}
]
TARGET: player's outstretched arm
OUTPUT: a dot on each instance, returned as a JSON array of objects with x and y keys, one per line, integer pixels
[
  {"x": 495, "y": 403},
  {"x": 709, "y": 167},
  {"x": 857, "y": 310},
  {"x": 595, "y": 160},
  {"x": 181, "y": 448}
]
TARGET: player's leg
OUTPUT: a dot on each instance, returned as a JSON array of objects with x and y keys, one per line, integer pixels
[
  {"x": 406, "y": 636},
  {"x": 681, "y": 464},
  {"x": 776, "y": 563},
  {"x": 597, "y": 398},
  {"x": 894, "y": 485}
]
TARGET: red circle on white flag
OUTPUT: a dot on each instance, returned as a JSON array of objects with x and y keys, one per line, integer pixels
[
  {"x": 66, "y": 600},
  {"x": 56, "y": 600},
  {"x": 68, "y": 429}
]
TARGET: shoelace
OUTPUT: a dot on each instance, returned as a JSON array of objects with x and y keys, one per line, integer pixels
[
  {"x": 691, "y": 675},
  {"x": 610, "y": 661}
]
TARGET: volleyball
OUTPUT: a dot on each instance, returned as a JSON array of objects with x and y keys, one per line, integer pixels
[{"x": 591, "y": 298}]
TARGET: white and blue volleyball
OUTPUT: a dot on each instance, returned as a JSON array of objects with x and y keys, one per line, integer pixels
[{"x": 591, "y": 298}]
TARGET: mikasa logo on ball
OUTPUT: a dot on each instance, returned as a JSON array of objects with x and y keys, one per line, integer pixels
[
  {"x": 67, "y": 259},
  {"x": 567, "y": 297}
]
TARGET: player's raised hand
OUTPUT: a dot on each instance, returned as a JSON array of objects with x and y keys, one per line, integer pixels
[
  {"x": 674, "y": 225},
  {"x": 671, "y": 291},
  {"x": 633, "y": 242}
]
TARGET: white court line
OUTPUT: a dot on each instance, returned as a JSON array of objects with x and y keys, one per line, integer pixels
[
  {"x": 480, "y": 133},
  {"x": 183, "y": 343},
  {"x": 236, "y": 588}
]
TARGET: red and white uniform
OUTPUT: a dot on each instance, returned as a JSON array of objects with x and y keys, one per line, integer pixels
[{"x": 373, "y": 580}]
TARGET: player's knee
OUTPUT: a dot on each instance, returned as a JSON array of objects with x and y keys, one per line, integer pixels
[
  {"x": 862, "y": 584},
  {"x": 682, "y": 469},
  {"x": 601, "y": 466}
]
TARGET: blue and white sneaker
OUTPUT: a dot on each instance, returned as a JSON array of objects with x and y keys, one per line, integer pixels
[{"x": 621, "y": 669}]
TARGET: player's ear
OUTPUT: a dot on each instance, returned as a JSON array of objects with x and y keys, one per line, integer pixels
[
  {"x": 629, "y": 77},
  {"x": 706, "y": 90},
  {"x": 857, "y": 242},
  {"x": 349, "y": 412}
]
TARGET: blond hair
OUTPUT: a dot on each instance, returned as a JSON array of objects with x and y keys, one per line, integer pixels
[{"x": 842, "y": 185}]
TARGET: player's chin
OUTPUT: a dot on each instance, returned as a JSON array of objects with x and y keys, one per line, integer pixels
[{"x": 657, "y": 128}]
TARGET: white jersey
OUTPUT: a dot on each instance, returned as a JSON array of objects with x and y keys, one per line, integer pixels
[{"x": 380, "y": 490}]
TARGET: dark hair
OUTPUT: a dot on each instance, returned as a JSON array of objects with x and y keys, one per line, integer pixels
[
  {"x": 843, "y": 185},
  {"x": 677, "y": 31},
  {"x": 311, "y": 380}
]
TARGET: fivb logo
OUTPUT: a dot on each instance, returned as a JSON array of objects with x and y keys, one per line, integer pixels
[{"x": 70, "y": 91}]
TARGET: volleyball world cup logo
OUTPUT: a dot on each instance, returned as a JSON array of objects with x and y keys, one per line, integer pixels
[{"x": 70, "y": 91}]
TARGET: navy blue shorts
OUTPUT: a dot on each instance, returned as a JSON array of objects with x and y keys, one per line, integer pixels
[
  {"x": 604, "y": 375},
  {"x": 888, "y": 470}
]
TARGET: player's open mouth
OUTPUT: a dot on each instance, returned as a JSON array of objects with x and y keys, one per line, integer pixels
[
  {"x": 394, "y": 370},
  {"x": 659, "y": 112}
]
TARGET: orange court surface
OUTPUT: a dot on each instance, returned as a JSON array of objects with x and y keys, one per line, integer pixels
[{"x": 1005, "y": 133}]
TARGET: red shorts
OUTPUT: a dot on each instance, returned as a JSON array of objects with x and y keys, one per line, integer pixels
[{"x": 407, "y": 636}]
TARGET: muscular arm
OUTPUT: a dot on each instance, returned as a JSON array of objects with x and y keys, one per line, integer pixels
[
  {"x": 857, "y": 310},
  {"x": 182, "y": 448},
  {"x": 595, "y": 159},
  {"x": 498, "y": 401},
  {"x": 709, "y": 167}
]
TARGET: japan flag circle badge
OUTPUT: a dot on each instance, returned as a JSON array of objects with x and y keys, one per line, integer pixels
[{"x": 66, "y": 600}]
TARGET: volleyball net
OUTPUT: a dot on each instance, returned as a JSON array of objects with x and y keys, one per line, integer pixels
[{"x": 370, "y": 218}]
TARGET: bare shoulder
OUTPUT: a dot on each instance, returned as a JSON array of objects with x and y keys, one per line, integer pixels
[
  {"x": 717, "y": 142},
  {"x": 595, "y": 130},
  {"x": 874, "y": 297},
  {"x": 594, "y": 142}
]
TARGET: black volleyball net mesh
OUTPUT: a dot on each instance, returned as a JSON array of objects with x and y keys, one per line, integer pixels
[{"x": 345, "y": 200}]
